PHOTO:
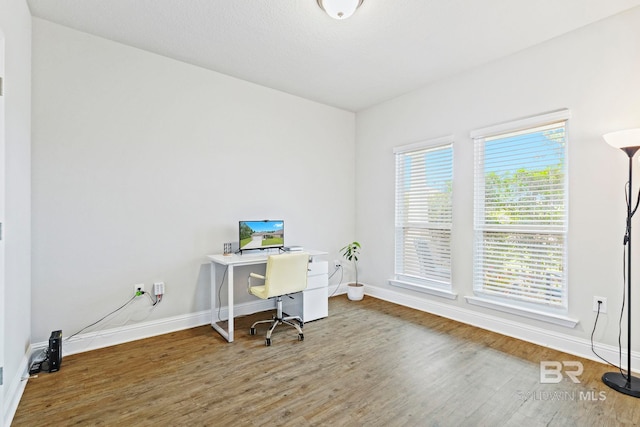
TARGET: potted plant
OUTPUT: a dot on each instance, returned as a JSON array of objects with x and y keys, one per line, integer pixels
[{"x": 355, "y": 291}]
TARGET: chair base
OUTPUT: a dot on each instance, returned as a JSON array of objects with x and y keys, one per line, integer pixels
[{"x": 279, "y": 319}]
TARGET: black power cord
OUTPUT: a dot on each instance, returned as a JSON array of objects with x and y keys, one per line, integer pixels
[
  {"x": 625, "y": 242},
  {"x": 595, "y": 323},
  {"x": 341, "y": 277},
  {"x": 104, "y": 317}
]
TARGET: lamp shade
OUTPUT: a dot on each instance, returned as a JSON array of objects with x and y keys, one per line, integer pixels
[
  {"x": 339, "y": 9},
  {"x": 623, "y": 138}
]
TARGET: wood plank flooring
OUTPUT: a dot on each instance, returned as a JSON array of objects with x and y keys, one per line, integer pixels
[{"x": 370, "y": 363}]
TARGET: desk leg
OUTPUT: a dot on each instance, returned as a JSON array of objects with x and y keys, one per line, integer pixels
[
  {"x": 215, "y": 268},
  {"x": 230, "y": 302}
]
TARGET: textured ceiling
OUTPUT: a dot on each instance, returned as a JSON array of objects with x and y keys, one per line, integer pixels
[{"x": 387, "y": 48}]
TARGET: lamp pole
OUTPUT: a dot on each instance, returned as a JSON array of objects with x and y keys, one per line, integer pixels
[{"x": 629, "y": 142}]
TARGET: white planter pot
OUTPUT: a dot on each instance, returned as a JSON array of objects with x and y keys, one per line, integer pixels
[{"x": 355, "y": 293}]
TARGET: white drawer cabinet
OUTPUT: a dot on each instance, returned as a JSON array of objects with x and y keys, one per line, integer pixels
[{"x": 313, "y": 302}]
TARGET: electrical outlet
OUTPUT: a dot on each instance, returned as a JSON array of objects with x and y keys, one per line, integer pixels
[
  {"x": 138, "y": 289},
  {"x": 603, "y": 304},
  {"x": 158, "y": 288},
  {"x": 337, "y": 263}
]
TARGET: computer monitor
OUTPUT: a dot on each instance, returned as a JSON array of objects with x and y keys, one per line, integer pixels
[{"x": 263, "y": 234}]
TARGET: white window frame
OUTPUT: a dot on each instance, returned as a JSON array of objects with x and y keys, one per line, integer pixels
[
  {"x": 523, "y": 304},
  {"x": 430, "y": 275}
]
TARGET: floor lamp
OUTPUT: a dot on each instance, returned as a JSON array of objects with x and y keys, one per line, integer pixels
[{"x": 629, "y": 142}]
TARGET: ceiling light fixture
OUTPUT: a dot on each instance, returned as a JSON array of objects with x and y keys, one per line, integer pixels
[{"x": 339, "y": 9}]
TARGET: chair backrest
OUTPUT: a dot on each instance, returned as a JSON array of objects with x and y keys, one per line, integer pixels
[{"x": 286, "y": 274}]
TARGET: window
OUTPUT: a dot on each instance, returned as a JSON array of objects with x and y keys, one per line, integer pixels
[
  {"x": 520, "y": 219},
  {"x": 424, "y": 178}
]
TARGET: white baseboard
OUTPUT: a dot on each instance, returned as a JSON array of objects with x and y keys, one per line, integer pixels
[
  {"x": 244, "y": 308},
  {"x": 109, "y": 337},
  {"x": 562, "y": 342},
  {"x": 337, "y": 290},
  {"x": 14, "y": 389},
  {"x": 558, "y": 341}
]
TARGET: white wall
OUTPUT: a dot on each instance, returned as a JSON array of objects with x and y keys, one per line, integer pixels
[
  {"x": 143, "y": 165},
  {"x": 595, "y": 73},
  {"x": 15, "y": 24}
]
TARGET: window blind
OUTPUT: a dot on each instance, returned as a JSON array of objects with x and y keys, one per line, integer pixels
[
  {"x": 520, "y": 214},
  {"x": 424, "y": 178}
]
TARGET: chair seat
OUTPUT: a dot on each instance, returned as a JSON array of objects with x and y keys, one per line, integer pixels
[{"x": 259, "y": 291}]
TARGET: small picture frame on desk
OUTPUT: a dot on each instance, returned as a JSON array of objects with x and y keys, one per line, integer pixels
[{"x": 227, "y": 249}]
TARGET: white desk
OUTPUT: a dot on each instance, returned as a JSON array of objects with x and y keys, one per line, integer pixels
[{"x": 221, "y": 262}]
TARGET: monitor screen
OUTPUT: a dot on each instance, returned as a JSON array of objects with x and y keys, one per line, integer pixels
[{"x": 262, "y": 234}]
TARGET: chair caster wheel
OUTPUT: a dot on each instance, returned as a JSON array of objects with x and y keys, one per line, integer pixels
[
  {"x": 267, "y": 342},
  {"x": 300, "y": 337}
]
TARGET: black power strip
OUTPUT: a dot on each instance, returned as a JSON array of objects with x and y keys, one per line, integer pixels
[{"x": 53, "y": 356}]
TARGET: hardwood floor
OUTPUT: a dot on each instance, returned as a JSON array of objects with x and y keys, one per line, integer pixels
[{"x": 369, "y": 363}]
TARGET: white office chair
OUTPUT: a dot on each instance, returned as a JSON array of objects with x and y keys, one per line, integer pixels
[{"x": 285, "y": 274}]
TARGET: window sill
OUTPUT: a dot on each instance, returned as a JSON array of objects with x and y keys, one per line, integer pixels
[
  {"x": 556, "y": 319},
  {"x": 431, "y": 290}
]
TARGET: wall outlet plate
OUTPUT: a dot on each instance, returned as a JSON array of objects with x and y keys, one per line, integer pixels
[
  {"x": 158, "y": 288},
  {"x": 138, "y": 287},
  {"x": 603, "y": 305}
]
